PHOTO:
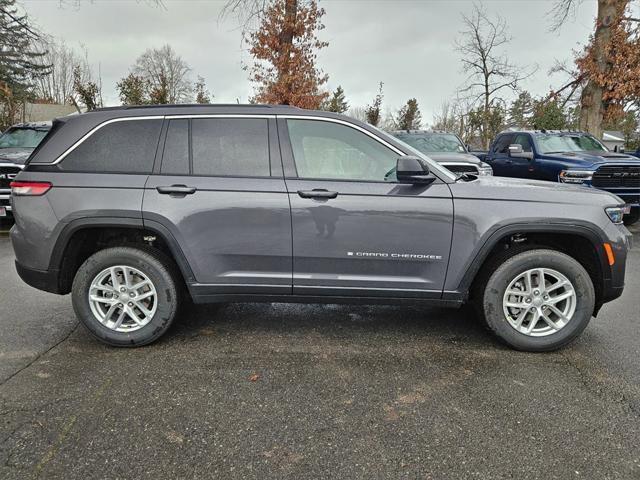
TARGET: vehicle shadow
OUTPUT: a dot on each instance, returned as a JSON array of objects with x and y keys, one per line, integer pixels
[{"x": 361, "y": 324}]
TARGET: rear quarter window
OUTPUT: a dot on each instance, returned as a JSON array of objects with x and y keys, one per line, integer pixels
[{"x": 119, "y": 147}]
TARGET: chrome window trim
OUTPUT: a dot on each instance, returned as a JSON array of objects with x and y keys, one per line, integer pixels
[
  {"x": 145, "y": 117},
  {"x": 432, "y": 163},
  {"x": 94, "y": 130}
]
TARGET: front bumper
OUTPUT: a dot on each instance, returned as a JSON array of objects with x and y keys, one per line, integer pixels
[{"x": 620, "y": 240}]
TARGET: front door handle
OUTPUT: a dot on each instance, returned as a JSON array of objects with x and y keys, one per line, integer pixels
[
  {"x": 317, "y": 193},
  {"x": 176, "y": 190}
]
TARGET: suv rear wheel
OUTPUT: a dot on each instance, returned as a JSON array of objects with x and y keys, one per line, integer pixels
[
  {"x": 126, "y": 296},
  {"x": 537, "y": 300}
]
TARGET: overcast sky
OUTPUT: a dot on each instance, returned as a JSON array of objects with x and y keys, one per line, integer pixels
[{"x": 408, "y": 45}]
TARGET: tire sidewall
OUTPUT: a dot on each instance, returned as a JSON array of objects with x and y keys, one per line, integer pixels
[
  {"x": 518, "y": 264},
  {"x": 148, "y": 264}
]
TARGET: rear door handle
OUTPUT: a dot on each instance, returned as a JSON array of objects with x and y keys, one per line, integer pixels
[
  {"x": 317, "y": 193},
  {"x": 176, "y": 190}
]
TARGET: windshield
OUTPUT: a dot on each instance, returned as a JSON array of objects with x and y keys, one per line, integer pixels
[
  {"x": 22, "y": 138},
  {"x": 433, "y": 142},
  {"x": 558, "y": 143}
]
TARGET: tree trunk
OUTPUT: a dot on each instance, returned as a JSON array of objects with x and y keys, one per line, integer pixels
[
  {"x": 286, "y": 40},
  {"x": 592, "y": 106}
]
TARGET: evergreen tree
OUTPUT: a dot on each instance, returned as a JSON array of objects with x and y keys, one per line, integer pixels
[
  {"x": 409, "y": 116},
  {"x": 337, "y": 103}
]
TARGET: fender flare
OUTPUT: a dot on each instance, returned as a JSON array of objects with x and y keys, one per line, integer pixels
[
  {"x": 76, "y": 225},
  {"x": 589, "y": 231}
]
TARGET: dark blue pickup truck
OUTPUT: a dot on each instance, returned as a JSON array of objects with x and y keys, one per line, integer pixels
[{"x": 567, "y": 157}]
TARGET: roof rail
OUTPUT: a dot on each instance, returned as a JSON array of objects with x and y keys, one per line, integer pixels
[{"x": 181, "y": 105}]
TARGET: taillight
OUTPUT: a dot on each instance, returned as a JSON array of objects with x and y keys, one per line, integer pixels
[{"x": 30, "y": 188}]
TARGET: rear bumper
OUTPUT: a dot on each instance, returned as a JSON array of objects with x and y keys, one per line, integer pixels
[{"x": 46, "y": 280}]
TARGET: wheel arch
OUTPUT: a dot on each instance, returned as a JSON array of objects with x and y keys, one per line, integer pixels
[
  {"x": 70, "y": 250},
  {"x": 550, "y": 235}
]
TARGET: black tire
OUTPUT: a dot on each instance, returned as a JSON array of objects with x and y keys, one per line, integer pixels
[
  {"x": 490, "y": 293},
  {"x": 632, "y": 217},
  {"x": 156, "y": 266}
]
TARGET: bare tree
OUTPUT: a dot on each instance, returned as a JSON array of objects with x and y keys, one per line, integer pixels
[
  {"x": 359, "y": 113},
  {"x": 57, "y": 86},
  {"x": 484, "y": 59},
  {"x": 247, "y": 12},
  {"x": 167, "y": 72}
]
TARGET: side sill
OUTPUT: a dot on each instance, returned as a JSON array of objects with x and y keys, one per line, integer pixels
[{"x": 326, "y": 299}]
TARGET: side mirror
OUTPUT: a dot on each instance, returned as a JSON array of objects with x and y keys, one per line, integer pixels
[
  {"x": 516, "y": 151},
  {"x": 413, "y": 170}
]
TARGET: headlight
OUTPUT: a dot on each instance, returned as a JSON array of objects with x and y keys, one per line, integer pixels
[
  {"x": 575, "y": 176},
  {"x": 616, "y": 214},
  {"x": 485, "y": 169}
]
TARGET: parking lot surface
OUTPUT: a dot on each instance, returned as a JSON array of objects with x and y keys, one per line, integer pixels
[{"x": 309, "y": 391}]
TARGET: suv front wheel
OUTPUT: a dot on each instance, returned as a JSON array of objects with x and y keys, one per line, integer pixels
[
  {"x": 125, "y": 296},
  {"x": 538, "y": 300}
]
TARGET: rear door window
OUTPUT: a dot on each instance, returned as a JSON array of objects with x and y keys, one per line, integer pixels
[
  {"x": 230, "y": 147},
  {"x": 119, "y": 147}
]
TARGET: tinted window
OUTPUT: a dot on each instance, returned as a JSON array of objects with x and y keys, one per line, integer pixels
[
  {"x": 502, "y": 144},
  {"x": 433, "y": 142},
  {"x": 525, "y": 141},
  {"x": 125, "y": 146},
  {"x": 329, "y": 150},
  {"x": 175, "y": 159},
  {"x": 230, "y": 146}
]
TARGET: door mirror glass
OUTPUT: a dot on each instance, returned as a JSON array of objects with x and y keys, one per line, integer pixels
[{"x": 413, "y": 170}]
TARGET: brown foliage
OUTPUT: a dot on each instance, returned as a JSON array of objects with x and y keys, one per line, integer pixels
[
  {"x": 285, "y": 48},
  {"x": 613, "y": 65}
]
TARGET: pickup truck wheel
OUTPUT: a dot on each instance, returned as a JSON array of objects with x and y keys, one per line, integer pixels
[
  {"x": 632, "y": 217},
  {"x": 538, "y": 300},
  {"x": 125, "y": 296}
]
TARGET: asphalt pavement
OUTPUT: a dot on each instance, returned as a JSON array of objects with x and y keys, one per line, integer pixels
[{"x": 311, "y": 391}]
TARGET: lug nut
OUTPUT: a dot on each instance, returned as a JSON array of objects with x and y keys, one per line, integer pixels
[
  {"x": 544, "y": 307},
  {"x": 122, "y": 289},
  {"x": 533, "y": 309},
  {"x": 546, "y": 297},
  {"x": 130, "y": 304},
  {"x": 536, "y": 292},
  {"x": 131, "y": 294},
  {"x": 120, "y": 305},
  {"x": 528, "y": 300}
]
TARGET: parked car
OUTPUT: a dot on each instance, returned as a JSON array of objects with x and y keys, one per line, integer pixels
[
  {"x": 568, "y": 157},
  {"x": 445, "y": 148},
  {"x": 16, "y": 144},
  {"x": 133, "y": 209}
]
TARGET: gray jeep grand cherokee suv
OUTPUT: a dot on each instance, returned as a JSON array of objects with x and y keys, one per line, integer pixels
[{"x": 133, "y": 210}]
